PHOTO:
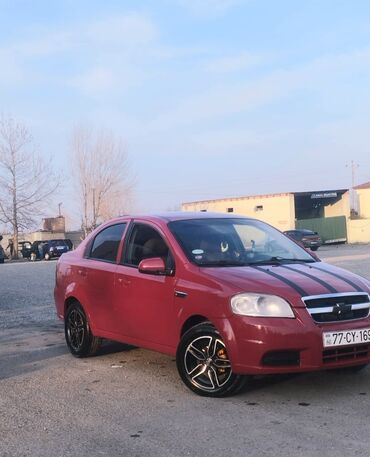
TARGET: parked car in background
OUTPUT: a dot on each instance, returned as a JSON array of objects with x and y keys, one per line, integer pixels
[
  {"x": 25, "y": 248},
  {"x": 229, "y": 297},
  {"x": 309, "y": 238},
  {"x": 2, "y": 252},
  {"x": 46, "y": 249},
  {"x": 55, "y": 248}
]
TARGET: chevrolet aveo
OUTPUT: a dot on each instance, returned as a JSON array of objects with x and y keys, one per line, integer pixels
[{"x": 230, "y": 297}]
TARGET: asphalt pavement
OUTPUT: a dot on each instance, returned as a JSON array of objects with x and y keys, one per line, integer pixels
[{"x": 130, "y": 402}]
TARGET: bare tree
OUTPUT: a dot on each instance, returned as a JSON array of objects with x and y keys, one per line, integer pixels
[
  {"x": 102, "y": 176},
  {"x": 26, "y": 180}
]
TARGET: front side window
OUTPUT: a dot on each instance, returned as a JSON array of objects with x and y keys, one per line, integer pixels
[
  {"x": 234, "y": 242},
  {"x": 145, "y": 243},
  {"x": 106, "y": 243}
]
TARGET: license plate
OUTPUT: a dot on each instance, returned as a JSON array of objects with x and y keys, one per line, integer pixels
[{"x": 346, "y": 337}]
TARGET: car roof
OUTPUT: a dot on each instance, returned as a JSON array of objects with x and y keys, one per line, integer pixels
[{"x": 182, "y": 215}]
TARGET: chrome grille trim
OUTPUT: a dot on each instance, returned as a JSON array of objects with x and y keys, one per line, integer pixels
[
  {"x": 344, "y": 294},
  {"x": 330, "y": 309},
  {"x": 321, "y": 313}
]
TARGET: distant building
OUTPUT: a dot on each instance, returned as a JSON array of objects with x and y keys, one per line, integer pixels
[
  {"x": 325, "y": 211},
  {"x": 54, "y": 224},
  {"x": 363, "y": 197},
  {"x": 54, "y": 229}
]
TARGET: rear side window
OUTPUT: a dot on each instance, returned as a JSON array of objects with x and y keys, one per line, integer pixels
[{"x": 106, "y": 243}]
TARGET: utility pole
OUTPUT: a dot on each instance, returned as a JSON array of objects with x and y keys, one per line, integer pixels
[
  {"x": 59, "y": 210},
  {"x": 354, "y": 166}
]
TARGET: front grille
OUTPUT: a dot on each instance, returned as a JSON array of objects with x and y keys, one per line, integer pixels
[
  {"x": 338, "y": 307},
  {"x": 347, "y": 353}
]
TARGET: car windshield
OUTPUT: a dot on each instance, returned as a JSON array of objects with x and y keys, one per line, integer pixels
[{"x": 235, "y": 242}]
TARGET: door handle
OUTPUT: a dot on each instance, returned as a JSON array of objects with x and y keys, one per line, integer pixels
[
  {"x": 124, "y": 281},
  {"x": 82, "y": 272}
]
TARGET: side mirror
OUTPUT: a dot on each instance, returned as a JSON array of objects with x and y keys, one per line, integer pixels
[{"x": 153, "y": 266}]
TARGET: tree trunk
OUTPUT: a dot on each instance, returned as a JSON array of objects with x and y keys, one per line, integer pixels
[{"x": 15, "y": 221}]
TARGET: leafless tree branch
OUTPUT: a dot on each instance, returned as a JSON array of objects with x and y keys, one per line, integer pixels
[
  {"x": 26, "y": 180},
  {"x": 101, "y": 174}
]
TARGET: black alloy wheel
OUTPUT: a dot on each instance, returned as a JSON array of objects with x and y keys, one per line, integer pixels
[
  {"x": 79, "y": 337},
  {"x": 204, "y": 365}
]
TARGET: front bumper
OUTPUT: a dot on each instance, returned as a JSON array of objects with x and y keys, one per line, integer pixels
[
  {"x": 309, "y": 244},
  {"x": 276, "y": 345}
]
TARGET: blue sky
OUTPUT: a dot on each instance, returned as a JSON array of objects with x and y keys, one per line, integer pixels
[{"x": 213, "y": 98}]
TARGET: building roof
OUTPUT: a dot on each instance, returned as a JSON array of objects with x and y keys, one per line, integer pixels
[
  {"x": 321, "y": 193},
  {"x": 365, "y": 185},
  {"x": 244, "y": 197}
]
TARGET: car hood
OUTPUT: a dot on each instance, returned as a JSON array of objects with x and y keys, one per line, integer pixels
[{"x": 291, "y": 281}]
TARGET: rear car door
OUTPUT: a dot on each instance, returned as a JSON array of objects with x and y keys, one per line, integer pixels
[
  {"x": 97, "y": 272},
  {"x": 146, "y": 301}
]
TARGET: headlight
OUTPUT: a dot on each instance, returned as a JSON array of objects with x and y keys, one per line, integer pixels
[
  {"x": 51, "y": 249},
  {"x": 260, "y": 305}
]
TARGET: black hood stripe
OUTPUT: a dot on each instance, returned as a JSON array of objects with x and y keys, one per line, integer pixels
[
  {"x": 314, "y": 278},
  {"x": 342, "y": 278},
  {"x": 294, "y": 286}
]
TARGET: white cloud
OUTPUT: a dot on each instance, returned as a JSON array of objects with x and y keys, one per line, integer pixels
[
  {"x": 11, "y": 72},
  {"x": 208, "y": 7},
  {"x": 96, "y": 80},
  {"x": 99, "y": 55},
  {"x": 234, "y": 63},
  {"x": 228, "y": 99},
  {"x": 122, "y": 31}
]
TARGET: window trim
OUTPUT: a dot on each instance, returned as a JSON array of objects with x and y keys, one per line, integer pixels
[{"x": 92, "y": 241}]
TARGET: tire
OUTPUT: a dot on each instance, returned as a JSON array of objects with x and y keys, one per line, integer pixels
[
  {"x": 315, "y": 248},
  {"x": 79, "y": 337},
  {"x": 203, "y": 363}
]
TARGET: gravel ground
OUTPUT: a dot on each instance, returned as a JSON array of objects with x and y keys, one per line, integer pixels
[{"x": 130, "y": 402}]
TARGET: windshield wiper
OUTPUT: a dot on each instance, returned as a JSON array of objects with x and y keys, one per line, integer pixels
[
  {"x": 278, "y": 260},
  {"x": 224, "y": 263}
]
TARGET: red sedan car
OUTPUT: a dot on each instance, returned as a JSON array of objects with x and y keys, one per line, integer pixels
[{"x": 229, "y": 296}]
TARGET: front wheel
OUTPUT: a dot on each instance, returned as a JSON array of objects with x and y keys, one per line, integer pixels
[
  {"x": 204, "y": 365},
  {"x": 79, "y": 337}
]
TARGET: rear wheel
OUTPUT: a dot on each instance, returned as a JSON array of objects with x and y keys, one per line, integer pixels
[
  {"x": 314, "y": 248},
  {"x": 204, "y": 365},
  {"x": 79, "y": 337}
]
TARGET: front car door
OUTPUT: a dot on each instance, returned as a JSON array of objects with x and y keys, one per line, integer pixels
[{"x": 146, "y": 301}]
